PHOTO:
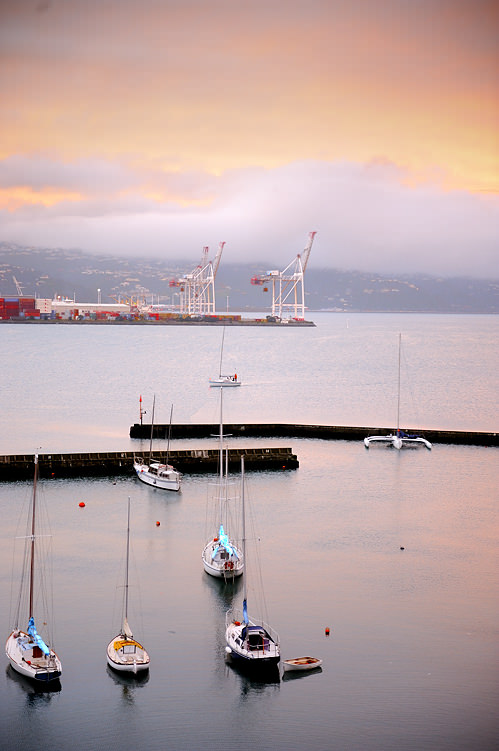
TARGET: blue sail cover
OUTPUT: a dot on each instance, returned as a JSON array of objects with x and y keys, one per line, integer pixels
[
  {"x": 36, "y": 636},
  {"x": 224, "y": 543},
  {"x": 245, "y": 612}
]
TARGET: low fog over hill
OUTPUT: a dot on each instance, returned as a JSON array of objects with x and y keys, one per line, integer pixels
[{"x": 45, "y": 272}]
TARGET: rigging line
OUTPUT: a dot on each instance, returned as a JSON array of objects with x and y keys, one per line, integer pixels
[{"x": 409, "y": 387}]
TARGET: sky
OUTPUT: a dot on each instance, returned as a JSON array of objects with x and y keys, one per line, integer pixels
[{"x": 154, "y": 128}]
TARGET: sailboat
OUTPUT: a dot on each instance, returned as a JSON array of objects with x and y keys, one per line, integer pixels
[
  {"x": 154, "y": 473},
  {"x": 400, "y": 438},
  {"x": 221, "y": 556},
  {"x": 124, "y": 653},
  {"x": 26, "y": 651},
  {"x": 224, "y": 380},
  {"x": 250, "y": 642}
]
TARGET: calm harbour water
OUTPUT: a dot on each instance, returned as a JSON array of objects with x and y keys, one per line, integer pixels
[{"x": 412, "y": 659}]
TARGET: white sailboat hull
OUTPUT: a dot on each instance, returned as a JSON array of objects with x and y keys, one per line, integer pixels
[
  {"x": 222, "y": 568},
  {"x": 157, "y": 475},
  {"x": 253, "y": 644},
  {"x": 127, "y": 655},
  {"x": 24, "y": 658}
]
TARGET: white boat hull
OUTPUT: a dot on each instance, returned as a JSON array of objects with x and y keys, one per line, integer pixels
[
  {"x": 222, "y": 568},
  {"x": 253, "y": 645},
  {"x": 127, "y": 655},
  {"x": 224, "y": 381},
  {"x": 25, "y": 660},
  {"x": 165, "y": 478},
  {"x": 396, "y": 441},
  {"x": 301, "y": 664}
]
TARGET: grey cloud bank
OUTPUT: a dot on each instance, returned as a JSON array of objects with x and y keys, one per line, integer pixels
[{"x": 365, "y": 216}]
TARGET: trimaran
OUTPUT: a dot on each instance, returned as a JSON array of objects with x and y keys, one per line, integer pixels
[{"x": 400, "y": 438}]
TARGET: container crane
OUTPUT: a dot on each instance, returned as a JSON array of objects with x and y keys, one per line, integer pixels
[
  {"x": 288, "y": 293},
  {"x": 19, "y": 287},
  {"x": 197, "y": 289}
]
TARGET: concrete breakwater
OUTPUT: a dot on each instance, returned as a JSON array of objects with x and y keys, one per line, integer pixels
[
  {"x": 115, "y": 463},
  {"x": 324, "y": 432}
]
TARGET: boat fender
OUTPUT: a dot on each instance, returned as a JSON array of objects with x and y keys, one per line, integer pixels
[{"x": 237, "y": 623}]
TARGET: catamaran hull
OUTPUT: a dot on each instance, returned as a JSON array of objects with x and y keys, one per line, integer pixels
[
  {"x": 164, "y": 483},
  {"x": 38, "y": 669},
  {"x": 396, "y": 441}
]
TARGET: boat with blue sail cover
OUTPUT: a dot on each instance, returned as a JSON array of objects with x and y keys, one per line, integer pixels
[
  {"x": 27, "y": 652},
  {"x": 250, "y": 642}
]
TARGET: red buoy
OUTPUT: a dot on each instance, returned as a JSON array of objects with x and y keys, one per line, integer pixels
[
  {"x": 81, "y": 504},
  {"x": 327, "y": 630},
  {"x": 157, "y": 524}
]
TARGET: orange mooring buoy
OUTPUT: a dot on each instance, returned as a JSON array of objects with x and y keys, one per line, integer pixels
[
  {"x": 157, "y": 524},
  {"x": 81, "y": 504},
  {"x": 327, "y": 631}
]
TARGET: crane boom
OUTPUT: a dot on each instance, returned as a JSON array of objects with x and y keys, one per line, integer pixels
[{"x": 288, "y": 293}]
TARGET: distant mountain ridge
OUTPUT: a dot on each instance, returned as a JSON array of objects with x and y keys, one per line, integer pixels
[{"x": 45, "y": 272}]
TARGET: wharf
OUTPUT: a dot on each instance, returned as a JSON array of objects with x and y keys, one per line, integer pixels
[
  {"x": 324, "y": 432},
  {"x": 177, "y": 321},
  {"x": 115, "y": 463}
]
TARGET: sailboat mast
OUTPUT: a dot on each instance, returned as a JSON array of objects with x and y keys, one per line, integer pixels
[
  {"x": 32, "y": 562},
  {"x": 221, "y": 353},
  {"x": 169, "y": 434},
  {"x": 221, "y": 459},
  {"x": 127, "y": 558},
  {"x": 152, "y": 427},
  {"x": 398, "y": 388},
  {"x": 245, "y": 613}
]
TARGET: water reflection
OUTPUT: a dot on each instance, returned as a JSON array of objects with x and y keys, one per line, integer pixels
[
  {"x": 223, "y": 591},
  {"x": 253, "y": 684},
  {"x": 129, "y": 683},
  {"x": 294, "y": 675},
  {"x": 36, "y": 694}
]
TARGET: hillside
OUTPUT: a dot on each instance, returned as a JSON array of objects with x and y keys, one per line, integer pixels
[{"x": 45, "y": 272}]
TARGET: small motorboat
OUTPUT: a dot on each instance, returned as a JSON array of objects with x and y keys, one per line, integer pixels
[
  {"x": 301, "y": 663},
  {"x": 225, "y": 380}
]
